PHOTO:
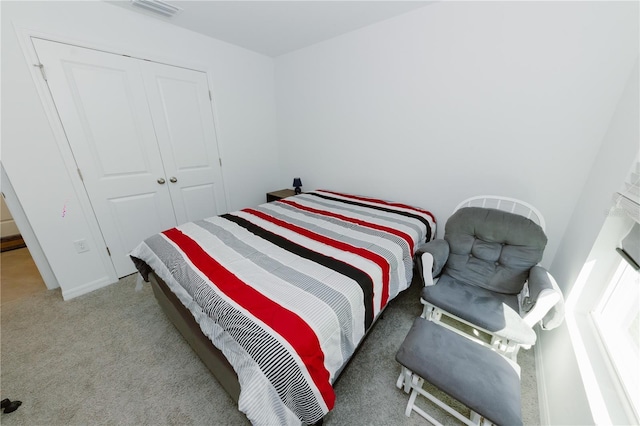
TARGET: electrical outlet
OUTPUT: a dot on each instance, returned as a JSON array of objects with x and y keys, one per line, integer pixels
[{"x": 81, "y": 246}]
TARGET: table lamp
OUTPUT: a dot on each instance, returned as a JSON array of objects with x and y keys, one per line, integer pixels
[{"x": 297, "y": 183}]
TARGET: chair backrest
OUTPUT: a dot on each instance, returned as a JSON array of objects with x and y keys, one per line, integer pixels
[
  {"x": 511, "y": 205},
  {"x": 492, "y": 249}
]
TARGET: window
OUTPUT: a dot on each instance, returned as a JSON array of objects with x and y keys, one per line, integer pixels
[
  {"x": 602, "y": 320},
  {"x": 617, "y": 319}
]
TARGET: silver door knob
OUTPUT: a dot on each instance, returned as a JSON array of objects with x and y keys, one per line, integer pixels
[
  {"x": 161, "y": 181},
  {"x": 173, "y": 179}
]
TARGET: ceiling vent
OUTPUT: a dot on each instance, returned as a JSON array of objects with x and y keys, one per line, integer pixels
[{"x": 157, "y": 6}]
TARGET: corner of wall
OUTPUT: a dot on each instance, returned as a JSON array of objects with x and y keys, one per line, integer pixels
[{"x": 556, "y": 356}]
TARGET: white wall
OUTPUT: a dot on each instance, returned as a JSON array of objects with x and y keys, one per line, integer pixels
[
  {"x": 608, "y": 171},
  {"x": 243, "y": 89},
  {"x": 449, "y": 101},
  {"x": 557, "y": 349},
  {"x": 457, "y": 99}
]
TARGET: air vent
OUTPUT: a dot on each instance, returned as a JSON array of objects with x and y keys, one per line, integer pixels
[{"x": 157, "y": 6}]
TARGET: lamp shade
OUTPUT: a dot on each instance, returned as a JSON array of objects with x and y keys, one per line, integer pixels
[{"x": 297, "y": 182}]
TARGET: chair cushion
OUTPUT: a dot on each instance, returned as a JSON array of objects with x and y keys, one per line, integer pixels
[
  {"x": 492, "y": 249},
  {"x": 495, "y": 312},
  {"x": 478, "y": 377}
]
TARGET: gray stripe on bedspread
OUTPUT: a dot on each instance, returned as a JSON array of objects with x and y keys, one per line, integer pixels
[
  {"x": 403, "y": 220},
  {"x": 338, "y": 301},
  {"x": 371, "y": 212},
  {"x": 275, "y": 360},
  {"x": 389, "y": 257}
]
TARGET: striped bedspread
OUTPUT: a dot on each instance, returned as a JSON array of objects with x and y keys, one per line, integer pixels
[{"x": 288, "y": 289}]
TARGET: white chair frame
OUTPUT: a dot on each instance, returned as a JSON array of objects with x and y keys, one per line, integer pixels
[
  {"x": 546, "y": 299},
  {"x": 411, "y": 383},
  {"x": 507, "y": 204}
]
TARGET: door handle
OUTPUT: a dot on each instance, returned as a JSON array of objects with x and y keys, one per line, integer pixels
[
  {"x": 161, "y": 181},
  {"x": 173, "y": 179}
]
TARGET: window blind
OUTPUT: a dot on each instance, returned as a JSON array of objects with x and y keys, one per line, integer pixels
[{"x": 628, "y": 199}]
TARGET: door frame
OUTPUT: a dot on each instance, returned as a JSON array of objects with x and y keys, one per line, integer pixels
[
  {"x": 27, "y": 233},
  {"x": 25, "y": 36}
]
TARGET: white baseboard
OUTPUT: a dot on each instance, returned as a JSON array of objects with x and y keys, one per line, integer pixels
[
  {"x": 543, "y": 401},
  {"x": 86, "y": 288}
]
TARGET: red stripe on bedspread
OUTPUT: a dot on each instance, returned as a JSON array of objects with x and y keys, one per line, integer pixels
[
  {"x": 387, "y": 203},
  {"x": 374, "y": 257},
  {"x": 360, "y": 222},
  {"x": 286, "y": 323}
]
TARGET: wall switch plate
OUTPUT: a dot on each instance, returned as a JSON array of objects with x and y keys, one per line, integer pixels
[{"x": 81, "y": 246}]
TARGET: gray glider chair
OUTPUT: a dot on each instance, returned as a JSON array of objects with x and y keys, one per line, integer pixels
[{"x": 484, "y": 275}]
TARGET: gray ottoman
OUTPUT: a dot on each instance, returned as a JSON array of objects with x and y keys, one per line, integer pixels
[{"x": 481, "y": 379}]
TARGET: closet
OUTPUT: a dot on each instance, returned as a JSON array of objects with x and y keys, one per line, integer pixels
[{"x": 143, "y": 139}]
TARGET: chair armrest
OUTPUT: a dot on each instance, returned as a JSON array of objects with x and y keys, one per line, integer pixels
[
  {"x": 439, "y": 250},
  {"x": 544, "y": 303},
  {"x": 424, "y": 262}
]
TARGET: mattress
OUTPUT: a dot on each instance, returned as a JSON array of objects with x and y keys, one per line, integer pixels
[{"x": 287, "y": 290}]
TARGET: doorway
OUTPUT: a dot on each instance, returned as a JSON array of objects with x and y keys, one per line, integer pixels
[{"x": 19, "y": 275}]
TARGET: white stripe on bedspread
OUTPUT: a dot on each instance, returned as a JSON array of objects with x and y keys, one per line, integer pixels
[
  {"x": 258, "y": 399},
  {"x": 363, "y": 264},
  {"x": 321, "y": 318},
  {"x": 308, "y": 274},
  {"x": 377, "y": 217},
  {"x": 352, "y": 235}
]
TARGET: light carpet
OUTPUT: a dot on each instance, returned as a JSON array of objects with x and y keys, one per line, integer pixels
[{"x": 111, "y": 357}]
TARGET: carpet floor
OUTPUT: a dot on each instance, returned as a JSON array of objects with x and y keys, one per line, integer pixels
[{"x": 112, "y": 358}]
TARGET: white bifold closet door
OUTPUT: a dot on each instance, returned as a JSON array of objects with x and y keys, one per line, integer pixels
[{"x": 143, "y": 139}]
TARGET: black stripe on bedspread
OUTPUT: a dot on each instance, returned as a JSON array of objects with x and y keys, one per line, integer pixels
[
  {"x": 274, "y": 359},
  {"x": 384, "y": 209},
  {"x": 342, "y": 237},
  {"x": 362, "y": 278},
  {"x": 337, "y": 300}
]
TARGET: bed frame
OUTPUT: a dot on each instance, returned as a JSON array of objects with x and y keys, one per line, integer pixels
[
  {"x": 183, "y": 320},
  {"x": 211, "y": 356}
]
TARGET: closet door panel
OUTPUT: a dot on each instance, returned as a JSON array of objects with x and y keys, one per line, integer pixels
[
  {"x": 103, "y": 108},
  {"x": 181, "y": 109},
  {"x": 137, "y": 215},
  {"x": 116, "y": 150},
  {"x": 199, "y": 201}
]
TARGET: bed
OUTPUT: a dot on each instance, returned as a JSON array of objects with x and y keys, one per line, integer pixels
[{"x": 275, "y": 299}]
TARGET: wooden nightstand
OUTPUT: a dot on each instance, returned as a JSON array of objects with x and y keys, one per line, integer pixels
[{"x": 279, "y": 195}]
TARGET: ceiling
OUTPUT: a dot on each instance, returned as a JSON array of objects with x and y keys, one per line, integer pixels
[{"x": 274, "y": 28}]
